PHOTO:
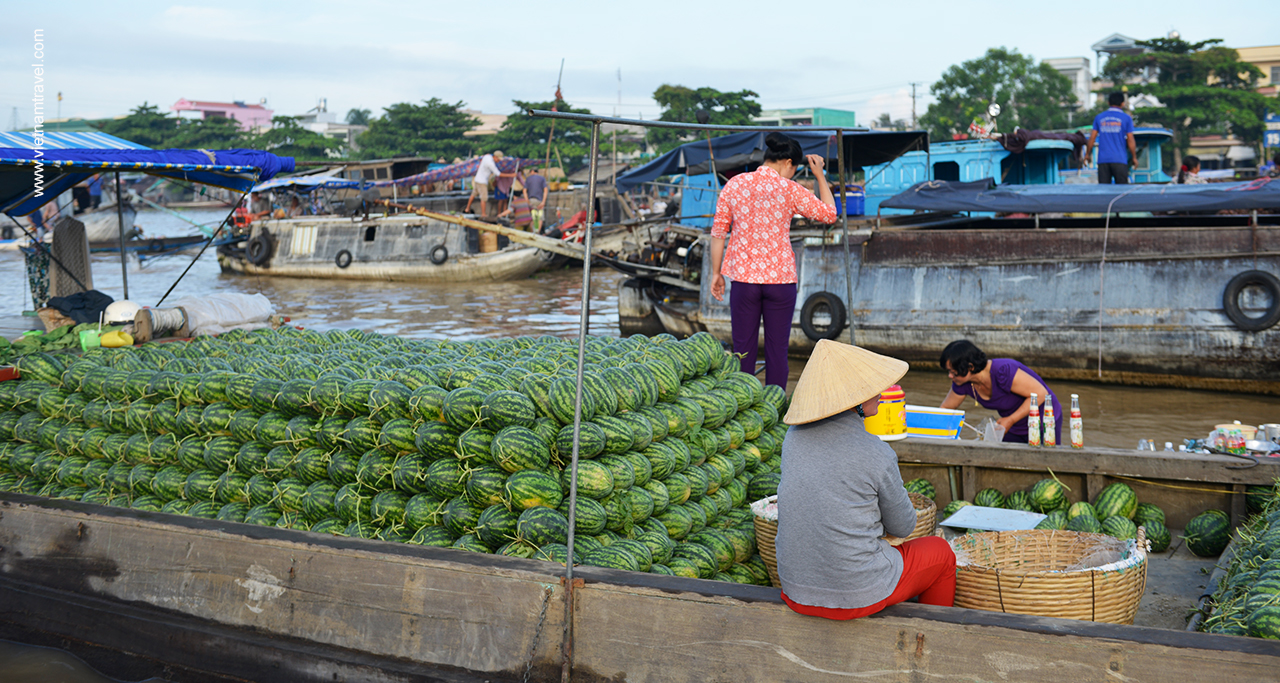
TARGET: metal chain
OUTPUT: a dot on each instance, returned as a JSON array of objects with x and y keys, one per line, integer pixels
[{"x": 537, "y": 633}]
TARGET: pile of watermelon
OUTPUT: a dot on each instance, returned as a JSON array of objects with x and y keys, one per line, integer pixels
[
  {"x": 1247, "y": 600},
  {"x": 1115, "y": 511},
  {"x": 441, "y": 443}
]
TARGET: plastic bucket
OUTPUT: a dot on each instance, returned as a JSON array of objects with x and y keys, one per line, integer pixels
[{"x": 890, "y": 421}]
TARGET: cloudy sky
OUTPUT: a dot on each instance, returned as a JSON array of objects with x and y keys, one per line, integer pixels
[{"x": 107, "y": 58}]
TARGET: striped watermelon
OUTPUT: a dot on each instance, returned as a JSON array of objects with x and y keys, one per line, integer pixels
[
  {"x": 591, "y": 441},
  {"x": 423, "y": 511},
  {"x": 618, "y": 434},
  {"x": 1116, "y": 499},
  {"x": 1158, "y": 534},
  {"x": 318, "y": 501},
  {"x": 561, "y": 397},
  {"x": 460, "y": 516},
  {"x": 595, "y": 480},
  {"x": 289, "y": 494},
  {"x": 231, "y": 487},
  {"x": 640, "y": 465},
  {"x": 497, "y": 525},
  {"x": 641, "y": 430},
  {"x": 351, "y": 504},
  {"x": 1120, "y": 527},
  {"x": 624, "y": 473},
  {"x": 344, "y": 467},
  {"x": 590, "y": 517},
  {"x": 409, "y": 473},
  {"x": 462, "y": 407},
  {"x": 200, "y": 485},
  {"x": 1208, "y": 533},
  {"x": 397, "y": 436},
  {"x": 532, "y": 488},
  {"x": 1085, "y": 523},
  {"x": 677, "y": 520},
  {"x": 1048, "y": 495},
  {"x": 434, "y": 536},
  {"x": 611, "y": 558},
  {"x": 1146, "y": 513},
  {"x": 445, "y": 479},
  {"x": 388, "y": 508},
  {"x": 373, "y": 472},
  {"x": 427, "y": 403},
  {"x": 1081, "y": 508},
  {"x": 389, "y": 400},
  {"x": 505, "y": 408},
  {"x": 517, "y": 448},
  {"x": 436, "y": 440},
  {"x": 542, "y": 525},
  {"x": 1055, "y": 520}
]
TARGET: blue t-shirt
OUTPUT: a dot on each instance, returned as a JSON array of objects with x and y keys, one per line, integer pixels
[{"x": 1113, "y": 126}]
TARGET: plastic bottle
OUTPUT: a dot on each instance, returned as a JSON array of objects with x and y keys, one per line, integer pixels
[
  {"x": 1050, "y": 424},
  {"x": 1168, "y": 445},
  {"x": 1077, "y": 424},
  {"x": 1033, "y": 423}
]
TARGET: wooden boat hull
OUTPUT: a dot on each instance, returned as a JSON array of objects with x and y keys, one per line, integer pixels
[{"x": 235, "y": 600}]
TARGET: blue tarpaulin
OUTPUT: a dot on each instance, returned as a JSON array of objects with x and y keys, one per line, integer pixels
[
  {"x": 34, "y": 174},
  {"x": 466, "y": 169},
  {"x": 983, "y": 195},
  {"x": 737, "y": 150},
  {"x": 307, "y": 183}
]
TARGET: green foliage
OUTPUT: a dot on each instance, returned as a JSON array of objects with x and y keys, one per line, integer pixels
[
  {"x": 432, "y": 129},
  {"x": 1206, "y": 88},
  {"x": 359, "y": 117},
  {"x": 145, "y": 125},
  {"x": 1031, "y": 95},
  {"x": 212, "y": 133},
  {"x": 526, "y": 136},
  {"x": 288, "y": 138},
  {"x": 682, "y": 104}
]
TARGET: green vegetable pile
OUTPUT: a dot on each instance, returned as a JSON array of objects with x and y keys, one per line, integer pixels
[
  {"x": 63, "y": 338},
  {"x": 442, "y": 443},
  {"x": 1247, "y": 602}
]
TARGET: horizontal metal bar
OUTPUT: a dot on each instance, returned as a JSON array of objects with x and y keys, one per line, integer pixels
[{"x": 592, "y": 118}]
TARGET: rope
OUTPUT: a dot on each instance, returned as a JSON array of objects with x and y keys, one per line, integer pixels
[
  {"x": 41, "y": 247},
  {"x": 166, "y": 320},
  {"x": 202, "y": 250},
  {"x": 1169, "y": 486},
  {"x": 1106, "y": 232}
]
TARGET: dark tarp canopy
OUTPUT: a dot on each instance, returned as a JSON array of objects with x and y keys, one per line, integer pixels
[
  {"x": 984, "y": 195},
  {"x": 737, "y": 150},
  {"x": 73, "y": 161}
]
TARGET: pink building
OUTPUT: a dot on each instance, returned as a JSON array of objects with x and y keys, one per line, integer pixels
[{"x": 250, "y": 116}]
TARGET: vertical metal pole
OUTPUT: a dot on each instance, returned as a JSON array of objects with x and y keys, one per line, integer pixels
[
  {"x": 583, "y": 325},
  {"x": 124, "y": 263},
  {"x": 844, "y": 203}
]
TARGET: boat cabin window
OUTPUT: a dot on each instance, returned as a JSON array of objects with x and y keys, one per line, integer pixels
[
  {"x": 370, "y": 232},
  {"x": 946, "y": 170},
  {"x": 382, "y": 173}
]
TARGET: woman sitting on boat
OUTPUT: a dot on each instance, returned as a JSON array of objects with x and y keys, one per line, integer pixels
[
  {"x": 757, "y": 207},
  {"x": 1190, "y": 172},
  {"x": 1000, "y": 384},
  {"x": 841, "y": 492}
]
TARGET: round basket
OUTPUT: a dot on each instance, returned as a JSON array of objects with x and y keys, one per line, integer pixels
[
  {"x": 766, "y": 531},
  {"x": 1049, "y": 573},
  {"x": 926, "y": 519}
]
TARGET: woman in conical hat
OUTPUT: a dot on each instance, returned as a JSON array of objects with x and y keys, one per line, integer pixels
[{"x": 841, "y": 492}]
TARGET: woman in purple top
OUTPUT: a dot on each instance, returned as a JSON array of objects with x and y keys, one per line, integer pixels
[{"x": 1000, "y": 384}]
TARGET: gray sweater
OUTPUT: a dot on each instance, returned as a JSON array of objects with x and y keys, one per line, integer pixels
[{"x": 840, "y": 492}]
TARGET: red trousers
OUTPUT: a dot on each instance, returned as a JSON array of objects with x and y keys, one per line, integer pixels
[{"x": 928, "y": 571}]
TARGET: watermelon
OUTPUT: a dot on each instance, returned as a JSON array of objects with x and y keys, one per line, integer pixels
[
  {"x": 388, "y": 508},
  {"x": 718, "y": 543},
  {"x": 374, "y": 470},
  {"x": 289, "y": 495},
  {"x": 532, "y": 488},
  {"x": 1048, "y": 495},
  {"x": 542, "y": 525},
  {"x": 1116, "y": 499},
  {"x": 205, "y": 509},
  {"x": 436, "y": 440},
  {"x": 462, "y": 408},
  {"x": 389, "y": 400},
  {"x": 1264, "y": 622},
  {"x": 1019, "y": 500},
  {"x": 233, "y": 512},
  {"x": 517, "y": 448},
  {"x": 1081, "y": 508},
  {"x": 350, "y": 504},
  {"x": 920, "y": 486},
  {"x": 504, "y": 408},
  {"x": 200, "y": 485},
  {"x": 1146, "y": 512},
  {"x": 423, "y": 511},
  {"x": 591, "y": 441},
  {"x": 990, "y": 498},
  {"x": 595, "y": 480},
  {"x": 262, "y": 515},
  {"x": 1085, "y": 523},
  {"x": 460, "y": 517},
  {"x": 1208, "y": 533},
  {"x": 445, "y": 479},
  {"x": 1157, "y": 534},
  {"x": 590, "y": 517},
  {"x": 1257, "y": 497},
  {"x": 397, "y": 436},
  {"x": 1055, "y": 520},
  {"x": 763, "y": 485},
  {"x": 434, "y": 536},
  {"x": 231, "y": 487},
  {"x": 1120, "y": 527},
  {"x": 678, "y": 521},
  {"x": 611, "y": 558}
]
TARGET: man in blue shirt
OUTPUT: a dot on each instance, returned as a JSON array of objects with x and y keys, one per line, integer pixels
[{"x": 1113, "y": 131}]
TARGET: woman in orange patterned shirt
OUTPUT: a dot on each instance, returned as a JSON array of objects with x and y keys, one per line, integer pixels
[{"x": 757, "y": 208}]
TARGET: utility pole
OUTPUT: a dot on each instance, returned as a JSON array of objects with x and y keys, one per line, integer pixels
[
  {"x": 13, "y": 119},
  {"x": 59, "y": 110},
  {"x": 914, "y": 125},
  {"x": 613, "y": 174}
]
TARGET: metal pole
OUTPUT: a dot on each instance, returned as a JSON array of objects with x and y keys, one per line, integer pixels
[
  {"x": 124, "y": 262},
  {"x": 844, "y": 204},
  {"x": 583, "y": 325}
]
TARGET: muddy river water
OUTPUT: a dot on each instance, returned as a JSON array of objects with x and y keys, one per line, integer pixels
[{"x": 549, "y": 303}]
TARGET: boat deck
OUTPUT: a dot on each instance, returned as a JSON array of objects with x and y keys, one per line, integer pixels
[{"x": 1175, "y": 581}]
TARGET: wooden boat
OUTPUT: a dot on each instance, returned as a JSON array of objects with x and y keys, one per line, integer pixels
[
  {"x": 400, "y": 247},
  {"x": 155, "y": 246},
  {"x": 127, "y": 590}
]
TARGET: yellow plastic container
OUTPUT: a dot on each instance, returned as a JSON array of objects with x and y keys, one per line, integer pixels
[{"x": 890, "y": 421}]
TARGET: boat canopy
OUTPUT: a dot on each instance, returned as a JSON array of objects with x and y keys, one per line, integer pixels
[
  {"x": 736, "y": 150},
  {"x": 59, "y": 161},
  {"x": 466, "y": 169},
  {"x": 307, "y": 183},
  {"x": 985, "y": 195}
]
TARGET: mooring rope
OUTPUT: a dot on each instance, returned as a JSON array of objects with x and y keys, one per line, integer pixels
[{"x": 1106, "y": 231}]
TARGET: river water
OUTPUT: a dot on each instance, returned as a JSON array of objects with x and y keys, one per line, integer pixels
[{"x": 549, "y": 303}]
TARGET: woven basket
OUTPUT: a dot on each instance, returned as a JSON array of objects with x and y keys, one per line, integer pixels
[
  {"x": 1026, "y": 572},
  {"x": 766, "y": 532},
  {"x": 926, "y": 519}
]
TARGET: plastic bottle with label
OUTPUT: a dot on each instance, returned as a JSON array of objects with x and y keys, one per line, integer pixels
[
  {"x": 1033, "y": 423},
  {"x": 1050, "y": 423},
  {"x": 1076, "y": 423}
]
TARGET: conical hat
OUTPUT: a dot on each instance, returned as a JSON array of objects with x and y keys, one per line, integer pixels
[{"x": 839, "y": 377}]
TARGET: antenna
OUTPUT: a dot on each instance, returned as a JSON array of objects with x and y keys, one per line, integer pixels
[
  {"x": 914, "y": 125},
  {"x": 13, "y": 119}
]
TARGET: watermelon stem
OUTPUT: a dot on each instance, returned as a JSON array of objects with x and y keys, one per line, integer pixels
[{"x": 1055, "y": 478}]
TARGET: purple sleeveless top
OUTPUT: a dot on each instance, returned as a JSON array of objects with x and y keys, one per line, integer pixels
[{"x": 1005, "y": 402}]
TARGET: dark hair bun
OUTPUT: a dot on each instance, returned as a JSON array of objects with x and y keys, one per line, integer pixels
[
  {"x": 777, "y": 142},
  {"x": 779, "y": 147}
]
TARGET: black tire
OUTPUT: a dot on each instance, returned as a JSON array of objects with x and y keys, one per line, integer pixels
[
  {"x": 343, "y": 259},
  {"x": 440, "y": 254},
  {"x": 1231, "y": 300},
  {"x": 155, "y": 245},
  {"x": 258, "y": 249},
  {"x": 821, "y": 303}
]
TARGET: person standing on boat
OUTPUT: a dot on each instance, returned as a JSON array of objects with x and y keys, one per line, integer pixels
[
  {"x": 486, "y": 177},
  {"x": 757, "y": 208},
  {"x": 95, "y": 191},
  {"x": 1000, "y": 384},
  {"x": 1113, "y": 132},
  {"x": 841, "y": 492}
]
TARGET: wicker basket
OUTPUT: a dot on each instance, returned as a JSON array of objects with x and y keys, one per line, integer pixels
[
  {"x": 766, "y": 532},
  {"x": 1029, "y": 572}
]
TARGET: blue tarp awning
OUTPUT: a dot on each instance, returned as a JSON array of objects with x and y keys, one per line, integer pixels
[
  {"x": 983, "y": 195},
  {"x": 34, "y": 172},
  {"x": 737, "y": 150},
  {"x": 308, "y": 183},
  {"x": 465, "y": 169}
]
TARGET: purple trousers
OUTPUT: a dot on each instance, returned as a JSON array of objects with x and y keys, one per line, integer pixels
[{"x": 748, "y": 302}]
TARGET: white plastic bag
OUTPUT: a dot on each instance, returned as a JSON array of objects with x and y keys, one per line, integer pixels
[
  {"x": 992, "y": 431},
  {"x": 217, "y": 313}
]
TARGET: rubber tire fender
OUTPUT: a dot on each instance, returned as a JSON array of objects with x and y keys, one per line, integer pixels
[
  {"x": 343, "y": 259},
  {"x": 1231, "y": 300},
  {"x": 439, "y": 254},
  {"x": 155, "y": 245},
  {"x": 258, "y": 249},
  {"x": 812, "y": 305}
]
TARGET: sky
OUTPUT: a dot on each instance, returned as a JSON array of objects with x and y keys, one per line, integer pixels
[{"x": 107, "y": 58}]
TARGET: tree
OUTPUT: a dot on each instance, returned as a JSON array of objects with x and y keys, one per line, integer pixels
[
  {"x": 431, "y": 129},
  {"x": 888, "y": 122},
  {"x": 359, "y": 117},
  {"x": 144, "y": 125},
  {"x": 526, "y": 136},
  {"x": 682, "y": 104},
  {"x": 288, "y": 138},
  {"x": 217, "y": 132},
  {"x": 1031, "y": 95},
  {"x": 1204, "y": 87}
]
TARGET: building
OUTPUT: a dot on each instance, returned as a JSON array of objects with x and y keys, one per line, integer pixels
[
  {"x": 815, "y": 116},
  {"x": 250, "y": 116},
  {"x": 320, "y": 120},
  {"x": 490, "y": 124},
  {"x": 1266, "y": 58},
  {"x": 1077, "y": 70}
]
